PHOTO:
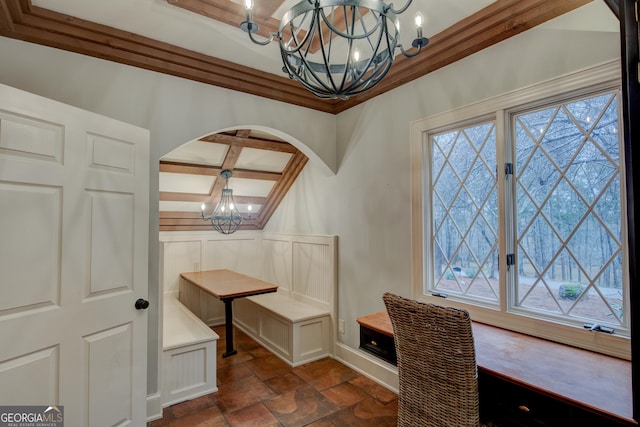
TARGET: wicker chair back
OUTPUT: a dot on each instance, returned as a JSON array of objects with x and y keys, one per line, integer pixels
[{"x": 436, "y": 364}]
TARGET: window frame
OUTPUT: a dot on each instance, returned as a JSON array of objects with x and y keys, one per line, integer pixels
[{"x": 500, "y": 109}]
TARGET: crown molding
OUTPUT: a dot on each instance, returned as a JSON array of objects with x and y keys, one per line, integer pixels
[{"x": 19, "y": 19}]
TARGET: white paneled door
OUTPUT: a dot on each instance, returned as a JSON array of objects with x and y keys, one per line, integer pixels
[{"x": 73, "y": 261}]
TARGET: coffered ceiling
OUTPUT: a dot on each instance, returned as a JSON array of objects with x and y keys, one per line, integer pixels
[
  {"x": 200, "y": 40},
  {"x": 263, "y": 167}
]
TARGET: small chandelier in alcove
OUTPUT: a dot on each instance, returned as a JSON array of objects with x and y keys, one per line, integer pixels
[{"x": 226, "y": 218}]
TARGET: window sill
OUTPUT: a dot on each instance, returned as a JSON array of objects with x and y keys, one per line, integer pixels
[{"x": 580, "y": 378}]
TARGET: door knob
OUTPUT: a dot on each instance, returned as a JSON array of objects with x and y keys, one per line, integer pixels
[{"x": 142, "y": 304}]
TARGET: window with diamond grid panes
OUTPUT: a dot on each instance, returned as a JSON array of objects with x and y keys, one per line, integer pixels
[
  {"x": 563, "y": 213},
  {"x": 464, "y": 240},
  {"x": 568, "y": 203}
]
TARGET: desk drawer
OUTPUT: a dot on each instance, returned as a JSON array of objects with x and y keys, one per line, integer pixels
[
  {"x": 508, "y": 404},
  {"x": 378, "y": 344}
]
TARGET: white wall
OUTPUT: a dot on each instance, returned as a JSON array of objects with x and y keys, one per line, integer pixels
[
  {"x": 367, "y": 202},
  {"x": 175, "y": 110}
]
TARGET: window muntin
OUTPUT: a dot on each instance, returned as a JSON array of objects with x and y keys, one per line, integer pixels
[
  {"x": 566, "y": 205},
  {"x": 464, "y": 237}
]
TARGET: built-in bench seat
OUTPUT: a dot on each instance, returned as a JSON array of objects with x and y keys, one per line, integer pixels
[
  {"x": 188, "y": 354},
  {"x": 298, "y": 322},
  {"x": 297, "y": 331},
  {"x": 289, "y": 307}
]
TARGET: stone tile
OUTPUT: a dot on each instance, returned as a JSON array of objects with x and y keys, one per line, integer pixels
[
  {"x": 252, "y": 416},
  {"x": 324, "y": 393},
  {"x": 232, "y": 373},
  {"x": 374, "y": 389},
  {"x": 259, "y": 351},
  {"x": 344, "y": 395},
  {"x": 210, "y": 417},
  {"x": 285, "y": 383},
  {"x": 393, "y": 405},
  {"x": 324, "y": 422},
  {"x": 191, "y": 406},
  {"x": 300, "y": 407},
  {"x": 268, "y": 367},
  {"x": 240, "y": 357},
  {"x": 240, "y": 394},
  {"x": 325, "y": 373},
  {"x": 243, "y": 341},
  {"x": 366, "y": 413}
]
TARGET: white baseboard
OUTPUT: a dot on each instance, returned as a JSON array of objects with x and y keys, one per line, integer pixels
[
  {"x": 154, "y": 407},
  {"x": 379, "y": 371}
]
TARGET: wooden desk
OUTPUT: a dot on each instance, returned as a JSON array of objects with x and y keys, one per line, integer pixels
[
  {"x": 591, "y": 382},
  {"x": 227, "y": 285}
]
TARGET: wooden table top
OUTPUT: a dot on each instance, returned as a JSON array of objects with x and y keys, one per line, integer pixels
[
  {"x": 601, "y": 383},
  {"x": 225, "y": 284}
]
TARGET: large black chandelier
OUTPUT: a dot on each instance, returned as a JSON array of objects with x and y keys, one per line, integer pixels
[{"x": 338, "y": 48}]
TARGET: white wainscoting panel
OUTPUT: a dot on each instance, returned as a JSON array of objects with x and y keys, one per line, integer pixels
[
  {"x": 240, "y": 254},
  {"x": 311, "y": 339},
  {"x": 277, "y": 333},
  {"x": 186, "y": 369},
  {"x": 245, "y": 313},
  {"x": 179, "y": 257},
  {"x": 313, "y": 272},
  {"x": 277, "y": 262}
]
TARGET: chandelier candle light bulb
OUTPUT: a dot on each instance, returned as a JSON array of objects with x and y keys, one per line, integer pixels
[{"x": 248, "y": 4}]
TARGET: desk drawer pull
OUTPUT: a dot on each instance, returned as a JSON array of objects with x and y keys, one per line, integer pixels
[{"x": 374, "y": 343}]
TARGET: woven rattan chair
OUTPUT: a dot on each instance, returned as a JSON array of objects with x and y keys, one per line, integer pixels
[{"x": 436, "y": 364}]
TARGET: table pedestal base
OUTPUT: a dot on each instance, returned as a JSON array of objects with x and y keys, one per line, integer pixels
[{"x": 228, "y": 327}]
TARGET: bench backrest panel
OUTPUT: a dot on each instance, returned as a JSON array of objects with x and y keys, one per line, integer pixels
[{"x": 303, "y": 266}]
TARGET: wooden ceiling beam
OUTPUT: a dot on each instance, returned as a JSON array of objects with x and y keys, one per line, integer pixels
[
  {"x": 260, "y": 175},
  {"x": 250, "y": 200},
  {"x": 21, "y": 20},
  {"x": 205, "y": 227},
  {"x": 293, "y": 169},
  {"x": 43, "y": 26},
  {"x": 199, "y": 223},
  {"x": 189, "y": 169},
  {"x": 233, "y": 14},
  {"x": 230, "y": 160},
  {"x": 6, "y": 19},
  {"x": 168, "y": 196},
  {"x": 243, "y": 141}
]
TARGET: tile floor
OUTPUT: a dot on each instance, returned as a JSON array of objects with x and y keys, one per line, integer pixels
[{"x": 256, "y": 388}]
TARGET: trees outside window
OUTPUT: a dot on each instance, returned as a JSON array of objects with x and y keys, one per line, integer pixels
[
  {"x": 568, "y": 203},
  {"x": 561, "y": 231}
]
